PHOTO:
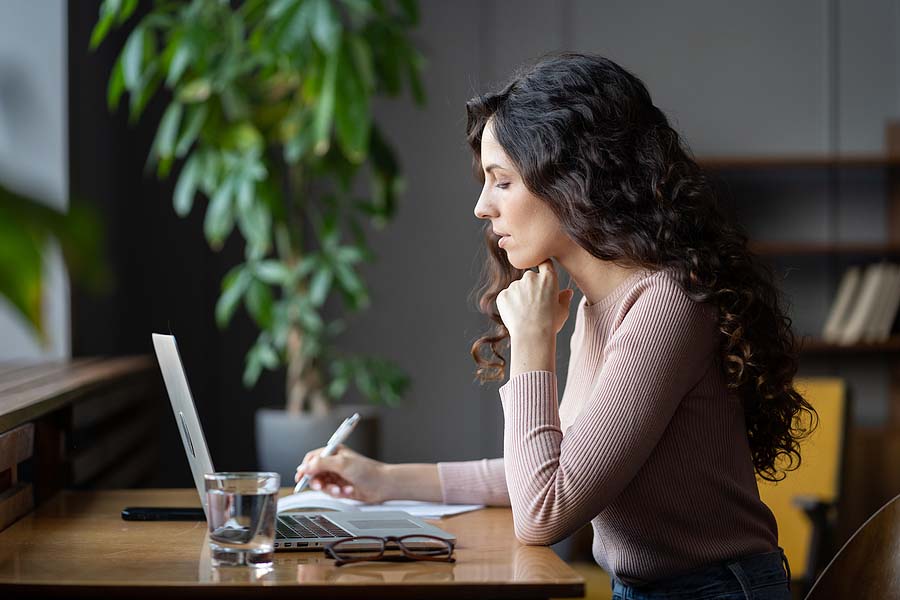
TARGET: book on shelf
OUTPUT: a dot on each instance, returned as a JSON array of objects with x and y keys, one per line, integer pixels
[
  {"x": 846, "y": 295},
  {"x": 865, "y": 305},
  {"x": 879, "y": 327}
]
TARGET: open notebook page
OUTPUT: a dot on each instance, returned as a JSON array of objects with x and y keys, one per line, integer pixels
[{"x": 317, "y": 500}]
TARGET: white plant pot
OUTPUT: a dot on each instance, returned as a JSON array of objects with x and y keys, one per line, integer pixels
[{"x": 282, "y": 439}]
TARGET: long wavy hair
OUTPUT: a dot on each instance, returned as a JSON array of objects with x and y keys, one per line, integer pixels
[{"x": 587, "y": 140}]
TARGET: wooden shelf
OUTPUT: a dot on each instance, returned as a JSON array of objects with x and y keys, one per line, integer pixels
[
  {"x": 798, "y": 161},
  {"x": 825, "y": 248},
  {"x": 819, "y": 346}
]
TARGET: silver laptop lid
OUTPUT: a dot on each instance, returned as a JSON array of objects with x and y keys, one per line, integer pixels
[{"x": 185, "y": 413}]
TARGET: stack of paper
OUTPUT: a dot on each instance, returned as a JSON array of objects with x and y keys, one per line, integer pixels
[{"x": 314, "y": 501}]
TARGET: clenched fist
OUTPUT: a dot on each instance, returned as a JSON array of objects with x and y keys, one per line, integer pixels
[{"x": 534, "y": 304}]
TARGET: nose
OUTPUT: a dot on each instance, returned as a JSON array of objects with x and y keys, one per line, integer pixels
[{"x": 484, "y": 209}]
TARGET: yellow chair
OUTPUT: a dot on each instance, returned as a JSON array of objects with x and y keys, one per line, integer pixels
[{"x": 804, "y": 502}]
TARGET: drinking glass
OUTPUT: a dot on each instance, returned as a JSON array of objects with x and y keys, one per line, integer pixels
[{"x": 241, "y": 511}]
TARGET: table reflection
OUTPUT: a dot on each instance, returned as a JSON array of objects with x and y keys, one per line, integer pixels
[{"x": 376, "y": 572}]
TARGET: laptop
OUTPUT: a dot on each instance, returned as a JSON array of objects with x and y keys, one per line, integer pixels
[{"x": 294, "y": 531}]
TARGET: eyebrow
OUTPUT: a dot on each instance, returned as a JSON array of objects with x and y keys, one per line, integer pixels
[{"x": 493, "y": 166}]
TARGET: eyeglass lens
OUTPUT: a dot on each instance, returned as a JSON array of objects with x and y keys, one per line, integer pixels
[{"x": 371, "y": 548}]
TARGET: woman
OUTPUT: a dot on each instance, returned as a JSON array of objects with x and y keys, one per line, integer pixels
[{"x": 679, "y": 389}]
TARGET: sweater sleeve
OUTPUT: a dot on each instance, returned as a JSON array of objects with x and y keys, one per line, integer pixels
[
  {"x": 652, "y": 359},
  {"x": 474, "y": 482}
]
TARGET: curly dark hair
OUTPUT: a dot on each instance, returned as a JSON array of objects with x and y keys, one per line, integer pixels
[{"x": 587, "y": 140}]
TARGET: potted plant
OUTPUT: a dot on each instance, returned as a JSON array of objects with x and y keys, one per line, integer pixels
[{"x": 269, "y": 118}]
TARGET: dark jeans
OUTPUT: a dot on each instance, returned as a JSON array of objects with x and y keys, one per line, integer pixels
[{"x": 758, "y": 577}]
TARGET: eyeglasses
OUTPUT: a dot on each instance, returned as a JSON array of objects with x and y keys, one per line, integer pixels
[{"x": 413, "y": 547}]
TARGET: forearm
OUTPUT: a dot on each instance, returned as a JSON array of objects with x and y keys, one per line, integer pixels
[
  {"x": 532, "y": 353},
  {"x": 412, "y": 481}
]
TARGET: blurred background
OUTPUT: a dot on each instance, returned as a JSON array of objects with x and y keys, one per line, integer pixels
[{"x": 791, "y": 106}]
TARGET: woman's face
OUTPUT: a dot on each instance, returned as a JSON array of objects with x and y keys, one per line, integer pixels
[{"x": 531, "y": 232}]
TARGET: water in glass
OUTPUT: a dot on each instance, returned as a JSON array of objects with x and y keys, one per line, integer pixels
[{"x": 241, "y": 514}]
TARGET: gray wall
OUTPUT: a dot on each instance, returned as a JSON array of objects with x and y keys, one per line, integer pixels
[
  {"x": 34, "y": 150},
  {"x": 764, "y": 78}
]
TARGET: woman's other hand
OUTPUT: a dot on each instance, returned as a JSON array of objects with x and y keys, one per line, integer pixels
[{"x": 344, "y": 474}]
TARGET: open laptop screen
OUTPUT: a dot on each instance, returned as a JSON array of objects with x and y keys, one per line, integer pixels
[{"x": 184, "y": 410}]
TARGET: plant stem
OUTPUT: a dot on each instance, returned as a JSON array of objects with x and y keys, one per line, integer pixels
[{"x": 304, "y": 381}]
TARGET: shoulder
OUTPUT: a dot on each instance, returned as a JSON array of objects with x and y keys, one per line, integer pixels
[{"x": 659, "y": 298}]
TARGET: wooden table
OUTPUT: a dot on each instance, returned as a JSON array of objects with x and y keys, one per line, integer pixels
[{"x": 76, "y": 545}]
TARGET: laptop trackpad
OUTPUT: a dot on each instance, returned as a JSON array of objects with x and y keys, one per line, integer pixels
[{"x": 383, "y": 524}]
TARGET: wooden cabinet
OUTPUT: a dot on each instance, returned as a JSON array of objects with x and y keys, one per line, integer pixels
[{"x": 84, "y": 424}]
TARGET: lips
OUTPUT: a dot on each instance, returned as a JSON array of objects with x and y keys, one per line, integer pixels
[{"x": 500, "y": 233}]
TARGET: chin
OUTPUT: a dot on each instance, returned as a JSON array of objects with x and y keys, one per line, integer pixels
[{"x": 524, "y": 263}]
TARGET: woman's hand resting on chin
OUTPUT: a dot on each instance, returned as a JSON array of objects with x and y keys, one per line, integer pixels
[{"x": 534, "y": 306}]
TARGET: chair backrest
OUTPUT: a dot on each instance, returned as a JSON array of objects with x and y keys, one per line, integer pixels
[
  {"x": 868, "y": 566},
  {"x": 818, "y": 475}
]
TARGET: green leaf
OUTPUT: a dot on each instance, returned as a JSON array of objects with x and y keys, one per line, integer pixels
[
  {"x": 268, "y": 357},
  {"x": 148, "y": 85},
  {"x": 234, "y": 286},
  {"x": 325, "y": 106},
  {"x": 337, "y": 388},
  {"x": 349, "y": 254},
  {"x": 349, "y": 279},
  {"x": 132, "y": 59},
  {"x": 180, "y": 61},
  {"x": 410, "y": 10},
  {"x": 195, "y": 119},
  {"x": 327, "y": 229},
  {"x": 359, "y": 10},
  {"x": 309, "y": 318},
  {"x": 127, "y": 10},
  {"x": 415, "y": 65},
  {"x": 252, "y": 370},
  {"x": 21, "y": 268},
  {"x": 245, "y": 195},
  {"x": 320, "y": 286},
  {"x": 278, "y": 8},
  {"x": 116, "y": 85},
  {"x": 255, "y": 223},
  {"x": 208, "y": 171},
  {"x": 306, "y": 266},
  {"x": 326, "y": 25},
  {"x": 362, "y": 61},
  {"x": 196, "y": 90},
  {"x": 353, "y": 117},
  {"x": 388, "y": 57},
  {"x": 186, "y": 188},
  {"x": 168, "y": 130},
  {"x": 107, "y": 17},
  {"x": 365, "y": 382},
  {"x": 259, "y": 303},
  {"x": 272, "y": 272},
  {"x": 219, "y": 219},
  {"x": 295, "y": 27}
]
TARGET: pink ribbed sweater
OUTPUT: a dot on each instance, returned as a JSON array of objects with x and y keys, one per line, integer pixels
[{"x": 647, "y": 443}]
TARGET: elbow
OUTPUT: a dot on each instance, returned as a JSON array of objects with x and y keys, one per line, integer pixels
[{"x": 534, "y": 535}]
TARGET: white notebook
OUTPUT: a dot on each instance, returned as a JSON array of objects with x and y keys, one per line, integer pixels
[{"x": 312, "y": 500}]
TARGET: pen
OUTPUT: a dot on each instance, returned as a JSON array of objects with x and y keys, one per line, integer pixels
[{"x": 336, "y": 439}]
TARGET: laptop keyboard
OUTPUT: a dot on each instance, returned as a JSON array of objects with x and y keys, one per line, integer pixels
[{"x": 311, "y": 526}]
